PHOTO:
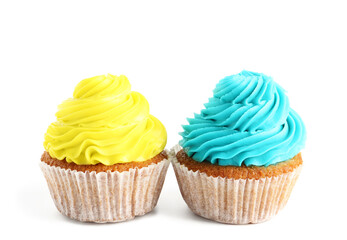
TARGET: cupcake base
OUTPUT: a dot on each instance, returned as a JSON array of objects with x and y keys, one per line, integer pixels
[
  {"x": 110, "y": 196},
  {"x": 234, "y": 200}
]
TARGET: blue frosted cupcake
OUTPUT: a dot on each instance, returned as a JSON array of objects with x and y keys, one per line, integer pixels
[{"x": 239, "y": 158}]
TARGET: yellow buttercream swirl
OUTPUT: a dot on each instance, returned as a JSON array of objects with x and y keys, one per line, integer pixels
[{"x": 105, "y": 122}]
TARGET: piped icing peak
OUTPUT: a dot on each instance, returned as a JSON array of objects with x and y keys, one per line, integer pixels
[
  {"x": 247, "y": 121},
  {"x": 105, "y": 122}
]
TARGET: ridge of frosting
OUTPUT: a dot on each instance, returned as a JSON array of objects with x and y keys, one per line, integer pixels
[
  {"x": 105, "y": 122},
  {"x": 247, "y": 121}
]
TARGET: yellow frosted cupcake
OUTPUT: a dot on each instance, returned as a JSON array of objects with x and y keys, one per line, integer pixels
[{"x": 104, "y": 158}]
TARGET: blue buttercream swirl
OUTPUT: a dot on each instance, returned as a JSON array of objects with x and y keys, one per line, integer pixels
[{"x": 247, "y": 121}]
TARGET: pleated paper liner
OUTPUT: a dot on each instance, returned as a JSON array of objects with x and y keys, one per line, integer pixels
[
  {"x": 105, "y": 196},
  {"x": 233, "y": 201}
]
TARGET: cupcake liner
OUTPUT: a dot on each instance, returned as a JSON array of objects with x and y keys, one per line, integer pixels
[
  {"x": 233, "y": 201},
  {"x": 105, "y": 196}
]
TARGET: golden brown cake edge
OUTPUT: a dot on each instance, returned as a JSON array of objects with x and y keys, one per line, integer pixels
[
  {"x": 119, "y": 167},
  {"x": 242, "y": 172}
]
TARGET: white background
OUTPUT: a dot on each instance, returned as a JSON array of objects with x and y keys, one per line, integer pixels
[{"x": 174, "y": 53}]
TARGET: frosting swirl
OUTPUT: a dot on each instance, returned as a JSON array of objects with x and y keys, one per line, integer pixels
[
  {"x": 247, "y": 121},
  {"x": 105, "y": 122}
]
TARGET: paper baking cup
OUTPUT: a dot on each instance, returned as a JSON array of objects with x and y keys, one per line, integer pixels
[
  {"x": 105, "y": 196},
  {"x": 233, "y": 201}
]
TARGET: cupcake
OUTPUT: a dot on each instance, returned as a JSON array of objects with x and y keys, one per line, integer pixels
[
  {"x": 239, "y": 159},
  {"x": 104, "y": 158}
]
